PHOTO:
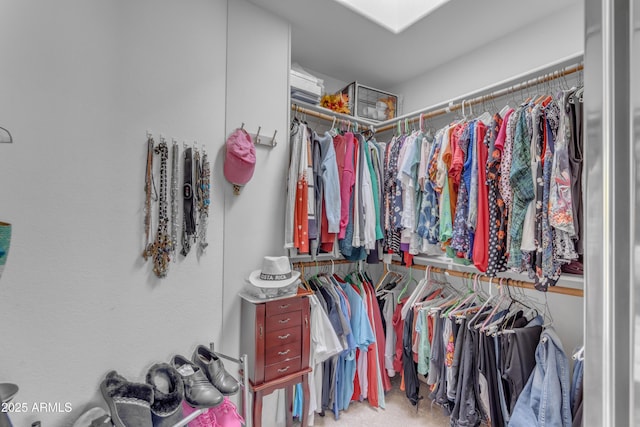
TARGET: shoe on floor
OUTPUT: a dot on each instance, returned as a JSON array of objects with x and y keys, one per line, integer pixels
[
  {"x": 130, "y": 403},
  {"x": 94, "y": 417},
  {"x": 226, "y": 414},
  {"x": 198, "y": 391},
  {"x": 212, "y": 366},
  {"x": 168, "y": 393}
]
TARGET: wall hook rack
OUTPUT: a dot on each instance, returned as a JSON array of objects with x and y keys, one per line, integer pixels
[{"x": 259, "y": 140}]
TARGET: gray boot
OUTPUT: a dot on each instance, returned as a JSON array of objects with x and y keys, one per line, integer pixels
[
  {"x": 168, "y": 392},
  {"x": 130, "y": 403},
  {"x": 212, "y": 366}
]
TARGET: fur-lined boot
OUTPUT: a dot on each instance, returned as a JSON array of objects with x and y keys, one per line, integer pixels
[
  {"x": 130, "y": 403},
  {"x": 168, "y": 393}
]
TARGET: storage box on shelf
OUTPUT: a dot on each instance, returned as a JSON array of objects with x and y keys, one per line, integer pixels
[
  {"x": 305, "y": 87},
  {"x": 369, "y": 103}
]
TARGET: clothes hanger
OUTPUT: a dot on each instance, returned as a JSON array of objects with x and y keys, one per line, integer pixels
[
  {"x": 418, "y": 293},
  {"x": 579, "y": 354},
  {"x": 488, "y": 301},
  {"x": 423, "y": 289},
  {"x": 547, "y": 313},
  {"x": 499, "y": 325},
  {"x": 406, "y": 286},
  {"x": 470, "y": 306},
  {"x": 304, "y": 280},
  {"x": 495, "y": 308},
  {"x": 485, "y": 117},
  {"x": 385, "y": 273},
  {"x": 463, "y": 302}
]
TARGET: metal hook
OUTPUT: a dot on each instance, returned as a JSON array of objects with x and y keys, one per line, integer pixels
[
  {"x": 257, "y": 140},
  {"x": 242, "y": 127},
  {"x": 273, "y": 139}
]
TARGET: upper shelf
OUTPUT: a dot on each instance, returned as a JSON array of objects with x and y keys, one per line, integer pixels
[{"x": 326, "y": 114}]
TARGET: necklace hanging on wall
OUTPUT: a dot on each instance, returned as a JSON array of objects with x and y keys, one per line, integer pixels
[
  {"x": 149, "y": 188},
  {"x": 189, "y": 220},
  {"x": 174, "y": 199},
  {"x": 204, "y": 191},
  {"x": 162, "y": 246}
]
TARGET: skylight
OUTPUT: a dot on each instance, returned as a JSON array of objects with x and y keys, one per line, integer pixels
[{"x": 394, "y": 15}]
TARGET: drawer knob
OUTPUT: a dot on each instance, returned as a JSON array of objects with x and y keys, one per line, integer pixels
[
  {"x": 283, "y": 369},
  {"x": 284, "y": 320},
  {"x": 282, "y": 353},
  {"x": 284, "y": 337},
  {"x": 282, "y": 307}
]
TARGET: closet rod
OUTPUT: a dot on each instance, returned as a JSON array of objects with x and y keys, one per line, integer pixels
[
  {"x": 313, "y": 111},
  {"x": 411, "y": 117},
  {"x": 554, "y": 67},
  {"x": 511, "y": 282},
  {"x": 306, "y": 264}
]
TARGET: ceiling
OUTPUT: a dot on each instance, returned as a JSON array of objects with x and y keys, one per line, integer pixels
[{"x": 332, "y": 39}]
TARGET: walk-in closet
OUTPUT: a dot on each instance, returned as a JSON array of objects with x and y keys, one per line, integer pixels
[{"x": 331, "y": 213}]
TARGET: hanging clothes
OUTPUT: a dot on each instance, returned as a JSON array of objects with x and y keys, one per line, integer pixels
[
  {"x": 324, "y": 345},
  {"x": 522, "y": 185},
  {"x": 546, "y": 394},
  {"x": 351, "y": 366},
  {"x": 498, "y": 208}
]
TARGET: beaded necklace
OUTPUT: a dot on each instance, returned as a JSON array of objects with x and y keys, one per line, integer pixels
[
  {"x": 162, "y": 246},
  {"x": 149, "y": 186},
  {"x": 204, "y": 191}
]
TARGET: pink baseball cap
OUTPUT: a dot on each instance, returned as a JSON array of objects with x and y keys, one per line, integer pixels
[{"x": 240, "y": 160}]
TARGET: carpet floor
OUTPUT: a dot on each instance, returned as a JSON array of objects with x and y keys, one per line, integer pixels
[{"x": 398, "y": 412}]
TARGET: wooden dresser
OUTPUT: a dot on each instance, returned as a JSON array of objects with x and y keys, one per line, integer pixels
[{"x": 275, "y": 336}]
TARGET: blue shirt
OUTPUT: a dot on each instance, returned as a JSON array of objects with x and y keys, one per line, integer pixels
[{"x": 331, "y": 181}]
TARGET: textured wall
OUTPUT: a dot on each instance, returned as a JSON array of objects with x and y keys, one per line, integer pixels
[
  {"x": 257, "y": 95},
  {"x": 81, "y": 83},
  {"x": 558, "y": 36}
]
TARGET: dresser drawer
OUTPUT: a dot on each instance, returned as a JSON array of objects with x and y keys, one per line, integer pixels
[
  {"x": 283, "y": 336},
  {"x": 282, "y": 353},
  {"x": 281, "y": 369},
  {"x": 285, "y": 320},
  {"x": 283, "y": 306}
]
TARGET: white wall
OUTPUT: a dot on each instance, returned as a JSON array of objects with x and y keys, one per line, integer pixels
[
  {"x": 558, "y": 36},
  {"x": 257, "y": 95},
  {"x": 81, "y": 83}
]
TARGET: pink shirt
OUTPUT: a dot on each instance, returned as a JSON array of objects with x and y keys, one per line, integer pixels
[{"x": 346, "y": 183}]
